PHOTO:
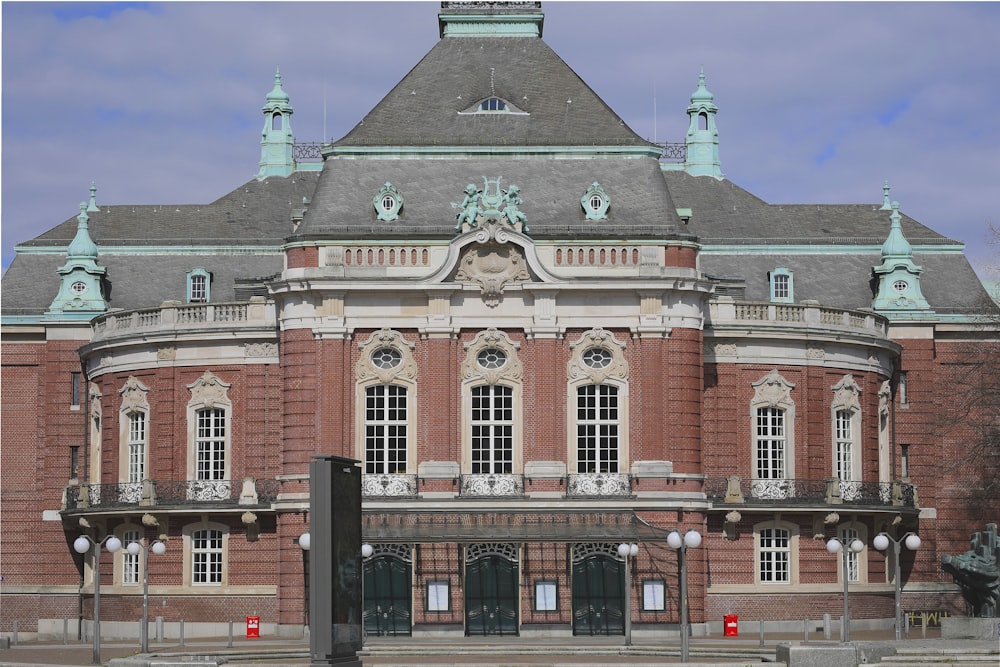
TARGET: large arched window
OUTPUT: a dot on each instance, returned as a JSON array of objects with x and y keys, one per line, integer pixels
[
  {"x": 133, "y": 465},
  {"x": 491, "y": 401},
  {"x": 597, "y": 428},
  {"x": 597, "y": 425},
  {"x": 846, "y": 418},
  {"x": 773, "y": 414},
  {"x": 209, "y": 414},
  {"x": 386, "y": 388}
]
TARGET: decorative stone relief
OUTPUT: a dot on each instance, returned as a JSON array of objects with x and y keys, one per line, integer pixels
[
  {"x": 845, "y": 395},
  {"x": 260, "y": 349},
  {"x": 492, "y": 266},
  {"x": 134, "y": 396},
  {"x": 94, "y": 392},
  {"x": 490, "y": 357},
  {"x": 772, "y": 391},
  {"x": 209, "y": 391},
  {"x": 596, "y": 356},
  {"x": 815, "y": 353},
  {"x": 884, "y": 398},
  {"x": 166, "y": 353},
  {"x": 725, "y": 349},
  {"x": 387, "y": 357}
]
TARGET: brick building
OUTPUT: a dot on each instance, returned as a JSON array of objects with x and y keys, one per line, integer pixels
[{"x": 541, "y": 335}]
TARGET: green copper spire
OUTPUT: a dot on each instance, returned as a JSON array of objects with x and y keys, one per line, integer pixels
[
  {"x": 899, "y": 295},
  {"x": 277, "y": 157},
  {"x": 702, "y": 136},
  {"x": 80, "y": 296}
]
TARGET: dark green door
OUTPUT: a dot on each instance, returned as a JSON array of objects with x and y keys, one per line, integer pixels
[
  {"x": 598, "y": 596},
  {"x": 387, "y": 597},
  {"x": 491, "y": 594}
]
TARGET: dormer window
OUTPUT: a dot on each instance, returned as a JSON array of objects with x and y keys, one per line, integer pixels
[
  {"x": 199, "y": 286},
  {"x": 493, "y": 104},
  {"x": 781, "y": 285}
]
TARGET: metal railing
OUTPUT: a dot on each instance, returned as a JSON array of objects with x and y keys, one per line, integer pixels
[
  {"x": 152, "y": 493},
  {"x": 828, "y": 491}
]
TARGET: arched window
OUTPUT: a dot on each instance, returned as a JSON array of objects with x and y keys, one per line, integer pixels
[
  {"x": 276, "y": 121},
  {"x": 205, "y": 545},
  {"x": 776, "y": 552},
  {"x": 773, "y": 414},
  {"x": 209, "y": 414},
  {"x": 491, "y": 401},
  {"x": 133, "y": 440}
]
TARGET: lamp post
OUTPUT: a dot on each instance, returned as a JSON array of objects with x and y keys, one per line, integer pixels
[
  {"x": 846, "y": 546},
  {"x": 159, "y": 548},
  {"x": 912, "y": 542},
  {"x": 82, "y": 545},
  {"x": 691, "y": 539},
  {"x": 627, "y": 552}
]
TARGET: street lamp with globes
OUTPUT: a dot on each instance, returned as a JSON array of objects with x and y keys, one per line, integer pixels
[
  {"x": 627, "y": 552},
  {"x": 691, "y": 539},
  {"x": 847, "y": 546},
  {"x": 82, "y": 545},
  {"x": 912, "y": 542},
  {"x": 158, "y": 547}
]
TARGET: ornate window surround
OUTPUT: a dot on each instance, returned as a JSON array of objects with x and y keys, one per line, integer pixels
[
  {"x": 208, "y": 391},
  {"x": 134, "y": 400},
  {"x": 774, "y": 391},
  {"x": 367, "y": 374},
  {"x": 846, "y": 395},
  {"x": 508, "y": 375},
  {"x": 579, "y": 374}
]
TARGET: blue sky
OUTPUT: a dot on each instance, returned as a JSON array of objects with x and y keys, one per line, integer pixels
[{"x": 818, "y": 102}]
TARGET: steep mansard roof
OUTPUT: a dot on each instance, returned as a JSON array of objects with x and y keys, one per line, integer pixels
[{"x": 550, "y": 187}]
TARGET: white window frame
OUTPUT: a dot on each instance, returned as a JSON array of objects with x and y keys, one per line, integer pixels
[
  {"x": 598, "y": 429},
  {"x": 209, "y": 392},
  {"x": 133, "y": 433},
  {"x": 782, "y": 286},
  {"x": 386, "y": 428},
  {"x": 199, "y": 286},
  {"x": 772, "y": 555},
  {"x": 131, "y": 565},
  {"x": 857, "y": 562},
  {"x": 491, "y": 423},
  {"x": 772, "y": 399},
  {"x": 206, "y": 565},
  {"x": 506, "y": 431}
]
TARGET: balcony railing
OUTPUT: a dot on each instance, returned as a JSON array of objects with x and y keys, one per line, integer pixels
[
  {"x": 152, "y": 493},
  {"x": 258, "y": 313},
  {"x": 390, "y": 485},
  {"x": 599, "y": 484},
  {"x": 492, "y": 485},
  {"x": 728, "y": 312},
  {"x": 829, "y": 491}
]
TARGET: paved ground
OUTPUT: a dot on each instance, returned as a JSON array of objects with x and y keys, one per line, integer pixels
[{"x": 281, "y": 653}]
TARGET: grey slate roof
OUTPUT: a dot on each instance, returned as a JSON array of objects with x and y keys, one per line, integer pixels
[
  {"x": 255, "y": 215},
  {"x": 551, "y": 189},
  {"x": 423, "y": 109},
  {"x": 723, "y": 212}
]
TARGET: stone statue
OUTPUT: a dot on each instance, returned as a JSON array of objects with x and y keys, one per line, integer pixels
[{"x": 977, "y": 571}]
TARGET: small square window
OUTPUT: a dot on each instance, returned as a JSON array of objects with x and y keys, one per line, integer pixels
[
  {"x": 438, "y": 598},
  {"x": 546, "y": 598},
  {"x": 653, "y": 595}
]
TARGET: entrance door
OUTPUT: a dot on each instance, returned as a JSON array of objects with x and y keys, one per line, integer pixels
[
  {"x": 387, "y": 586},
  {"x": 598, "y": 595},
  {"x": 491, "y": 596}
]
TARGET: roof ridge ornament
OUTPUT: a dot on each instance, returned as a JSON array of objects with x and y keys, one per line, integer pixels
[{"x": 886, "y": 205}]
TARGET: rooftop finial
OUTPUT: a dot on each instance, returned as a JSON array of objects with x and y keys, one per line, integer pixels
[
  {"x": 92, "y": 207},
  {"x": 886, "y": 206}
]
